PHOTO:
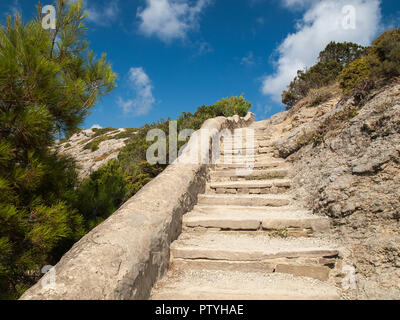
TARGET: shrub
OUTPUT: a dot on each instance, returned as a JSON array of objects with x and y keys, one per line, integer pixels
[
  {"x": 331, "y": 62},
  {"x": 94, "y": 144},
  {"x": 226, "y": 107},
  {"x": 99, "y": 132},
  {"x": 321, "y": 74},
  {"x": 102, "y": 193},
  {"x": 352, "y": 76},
  {"x": 342, "y": 52},
  {"x": 383, "y": 61},
  {"x": 319, "y": 96},
  {"x": 384, "y": 55}
]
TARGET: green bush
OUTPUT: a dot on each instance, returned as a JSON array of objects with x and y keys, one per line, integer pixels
[
  {"x": 319, "y": 96},
  {"x": 99, "y": 132},
  {"x": 102, "y": 193},
  {"x": 93, "y": 145},
  {"x": 342, "y": 52},
  {"x": 384, "y": 55},
  {"x": 319, "y": 75},
  {"x": 331, "y": 62},
  {"x": 352, "y": 76},
  {"x": 225, "y": 107},
  {"x": 382, "y": 61}
]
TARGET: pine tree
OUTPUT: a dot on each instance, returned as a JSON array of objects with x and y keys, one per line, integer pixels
[{"x": 49, "y": 81}]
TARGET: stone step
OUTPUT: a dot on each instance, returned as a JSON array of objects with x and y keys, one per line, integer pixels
[
  {"x": 255, "y": 209},
  {"x": 234, "y": 175},
  {"x": 258, "y": 184},
  {"x": 228, "y": 144},
  {"x": 245, "y": 200},
  {"x": 229, "y": 285},
  {"x": 257, "y": 156},
  {"x": 246, "y": 151},
  {"x": 266, "y": 143},
  {"x": 239, "y": 152},
  {"x": 245, "y": 130},
  {"x": 240, "y": 144},
  {"x": 254, "y": 251},
  {"x": 294, "y": 222},
  {"x": 246, "y": 158},
  {"x": 259, "y": 141},
  {"x": 272, "y": 163},
  {"x": 263, "y": 150},
  {"x": 273, "y": 186},
  {"x": 251, "y": 246}
]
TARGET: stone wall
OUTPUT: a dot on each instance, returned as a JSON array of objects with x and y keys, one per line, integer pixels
[{"x": 124, "y": 256}]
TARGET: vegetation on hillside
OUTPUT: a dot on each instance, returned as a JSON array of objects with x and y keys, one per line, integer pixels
[
  {"x": 382, "y": 62},
  {"x": 332, "y": 60},
  {"x": 348, "y": 64},
  {"x": 106, "y": 189}
]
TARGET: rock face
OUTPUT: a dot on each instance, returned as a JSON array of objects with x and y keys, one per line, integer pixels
[
  {"x": 88, "y": 160},
  {"x": 347, "y": 167}
]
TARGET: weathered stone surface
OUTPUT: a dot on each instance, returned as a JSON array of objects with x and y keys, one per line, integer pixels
[
  {"x": 320, "y": 273},
  {"x": 249, "y": 219},
  {"x": 124, "y": 256},
  {"x": 245, "y": 200},
  {"x": 247, "y": 247},
  {"x": 91, "y": 161},
  {"x": 258, "y": 184},
  {"x": 265, "y": 150},
  {"x": 273, "y": 173},
  {"x": 229, "y": 285},
  {"x": 246, "y": 266},
  {"x": 353, "y": 177},
  {"x": 317, "y": 224}
]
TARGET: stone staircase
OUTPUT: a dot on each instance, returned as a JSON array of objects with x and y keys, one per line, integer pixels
[{"x": 246, "y": 239}]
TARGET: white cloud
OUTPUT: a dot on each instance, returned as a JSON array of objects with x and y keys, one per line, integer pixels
[
  {"x": 321, "y": 23},
  {"x": 298, "y": 4},
  {"x": 170, "y": 19},
  {"x": 144, "y": 100}
]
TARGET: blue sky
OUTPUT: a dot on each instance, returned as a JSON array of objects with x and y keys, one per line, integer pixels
[{"x": 175, "y": 55}]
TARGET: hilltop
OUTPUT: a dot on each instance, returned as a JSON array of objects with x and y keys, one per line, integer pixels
[{"x": 93, "y": 148}]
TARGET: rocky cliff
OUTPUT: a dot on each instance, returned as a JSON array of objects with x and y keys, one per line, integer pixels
[
  {"x": 346, "y": 156},
  {"x": 93, "y": 148}
]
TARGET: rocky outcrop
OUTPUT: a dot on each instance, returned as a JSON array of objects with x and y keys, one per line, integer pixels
[
  {"x": 347, "y": 167},
  {"x": 89, "y": 160},
  {"x": 124, "y": 256}
]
